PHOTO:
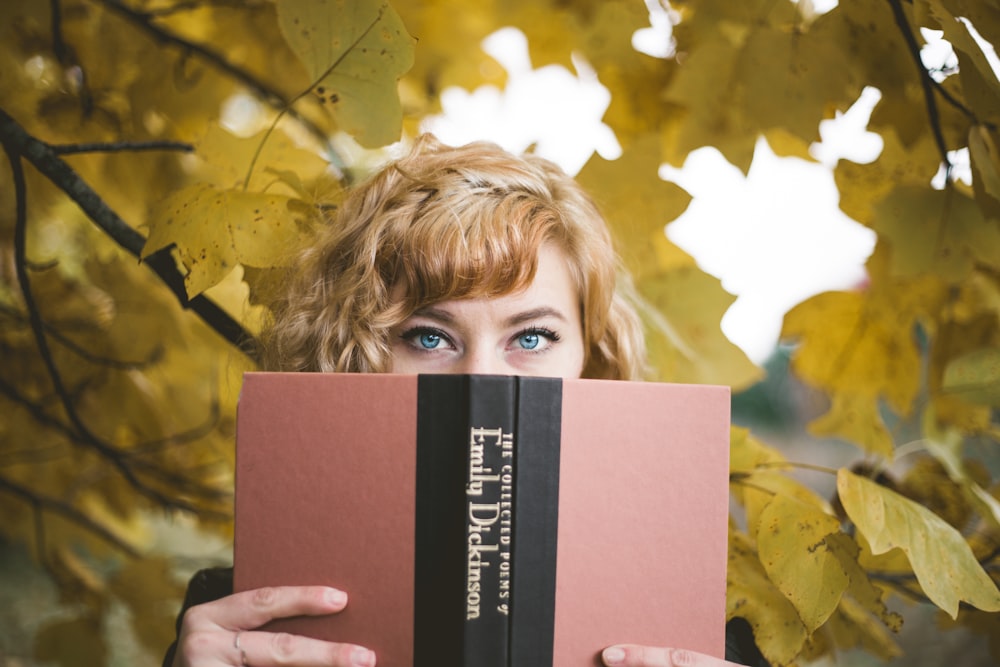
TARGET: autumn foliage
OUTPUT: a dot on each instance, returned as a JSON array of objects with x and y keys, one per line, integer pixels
[{"x": 164, "y": 158}]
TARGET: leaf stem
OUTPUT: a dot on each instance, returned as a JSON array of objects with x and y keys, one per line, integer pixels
[{"x": 802, "y": 466}]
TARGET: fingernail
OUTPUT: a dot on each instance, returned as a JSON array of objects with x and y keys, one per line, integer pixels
[
  {"x": 362, "y": 657},
  {"x": 335, "y": 597},
  {"x": 613, "y": 655}
]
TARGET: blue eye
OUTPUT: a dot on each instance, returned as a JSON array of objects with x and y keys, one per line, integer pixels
[
  {"x": 429, "y": 340},
  {"x": 528, "y": 341}
]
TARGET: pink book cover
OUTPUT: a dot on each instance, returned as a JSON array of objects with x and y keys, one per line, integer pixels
[{"x": 326, "y": 486}]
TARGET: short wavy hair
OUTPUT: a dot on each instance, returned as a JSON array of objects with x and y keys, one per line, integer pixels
[{"x": 448, "y": 223}]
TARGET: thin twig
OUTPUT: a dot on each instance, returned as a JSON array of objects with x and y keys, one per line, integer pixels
[
  {"x": 183, "y": 484},
  {"x": 58, "y": 44},
  {"x": 926, "y": 82},
  {"x": 277, "y": 100},
  {"x": 121, "y": 147},
  {"x": 64, "y": 510},
  {"x": 741, "y": 479},
  {"x": 98, "y": 360},
  {"x": 190, "y": 5},
  {"x": 801, "y": 466}
]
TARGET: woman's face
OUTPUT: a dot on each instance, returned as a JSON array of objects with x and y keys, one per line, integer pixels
[{"x": 536, "y": 331}]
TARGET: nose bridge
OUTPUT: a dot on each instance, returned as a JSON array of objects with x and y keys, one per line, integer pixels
[{"x": 481, "y": 359}]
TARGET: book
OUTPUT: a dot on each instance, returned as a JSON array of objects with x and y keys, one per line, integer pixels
[{"x": 488, "y": 521}]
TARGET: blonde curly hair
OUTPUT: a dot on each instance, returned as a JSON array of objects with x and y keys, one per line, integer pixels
[{"x": 448, "y": 223}]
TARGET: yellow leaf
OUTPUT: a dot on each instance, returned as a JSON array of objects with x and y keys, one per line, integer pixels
[
  {"x": 685, "y": 340},
  {"x": 860, "y": 591},
  {"x": 857, "y": 343},
  {"x": 792, "y": 546},
  {"x": 600, "y": 31},
  {"x": 751, "y": 70},
  {"x": 355, "y": 52},
  {"x": 450, "y": 37},
  {"x": 756, "y": 491},
  {"x": 858, "y": 420},
  {"x": 638, "y": 204},
  {"x": 216, "y": 229},
  {"x": 939, "y": 231},
  {"x": 746, "y": 453},
  {"x": 757, "y": 476},
  {"x": 852, "y": 627},
  {"x": 969, "y": 53},
  {"x": 147, "y": 587},
  {"x": 73, "y": 642},
  {"x": 227, "y": 159},
  {"x": 941, "y": 558},
  {"x": 751, "y": 595},
  {"x": 984, "y": 156},
  {"x": 946, "y": 445},
  {"x": 863, "y": 186},
  {"x": 975, "y": 377}
]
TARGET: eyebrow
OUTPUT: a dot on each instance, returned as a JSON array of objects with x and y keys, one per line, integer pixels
[{"x": 445, "y": 317}]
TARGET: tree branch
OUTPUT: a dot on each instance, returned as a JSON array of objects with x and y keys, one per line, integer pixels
[
  {"x": 182, "y": 484},
  {"x": 18, "y": 142},
  {"x": 121, "y": 460},
  {"x": 926, "y": 82},
  {"x": 66, "y": 511},
  {"x": 120, "y": 147},
  {"x": 98, "y": 360},
  {"x": 40, "y": 415}
]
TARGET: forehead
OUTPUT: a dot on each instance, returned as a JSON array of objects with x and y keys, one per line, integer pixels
[{"x": 552, "y": 291}]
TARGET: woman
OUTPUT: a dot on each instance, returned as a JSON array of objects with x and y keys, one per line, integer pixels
[{"x": 452, "y": 260}]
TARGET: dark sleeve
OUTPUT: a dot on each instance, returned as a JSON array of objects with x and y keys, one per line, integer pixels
[
  {"x": 740, "y": 645},
  {"x": 205, "y": 586}
]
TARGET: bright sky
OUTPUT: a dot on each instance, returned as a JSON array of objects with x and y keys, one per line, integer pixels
[{"x": 784, "y": 236}]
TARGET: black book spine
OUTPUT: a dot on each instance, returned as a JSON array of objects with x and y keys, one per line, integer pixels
[
  {"x": 536, "y": 499},
  {"x": 464, "y": 520},
  {"x": 489, "y": 519}
]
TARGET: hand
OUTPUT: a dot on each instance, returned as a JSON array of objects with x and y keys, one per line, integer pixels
[
  {"x": 223, "y": 633},
  {"x": 630, "y": 655}
]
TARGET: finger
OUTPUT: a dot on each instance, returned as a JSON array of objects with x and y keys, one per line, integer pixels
[
  {"x": 280, "y": 649},
  {"x": 252, "y": 609},
  {"x": 631, "y": 655}
]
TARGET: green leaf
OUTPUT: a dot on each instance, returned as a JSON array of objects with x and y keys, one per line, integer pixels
[
  {"x": 940, "y": 557},
  {"x": 355, "y": 51}
]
